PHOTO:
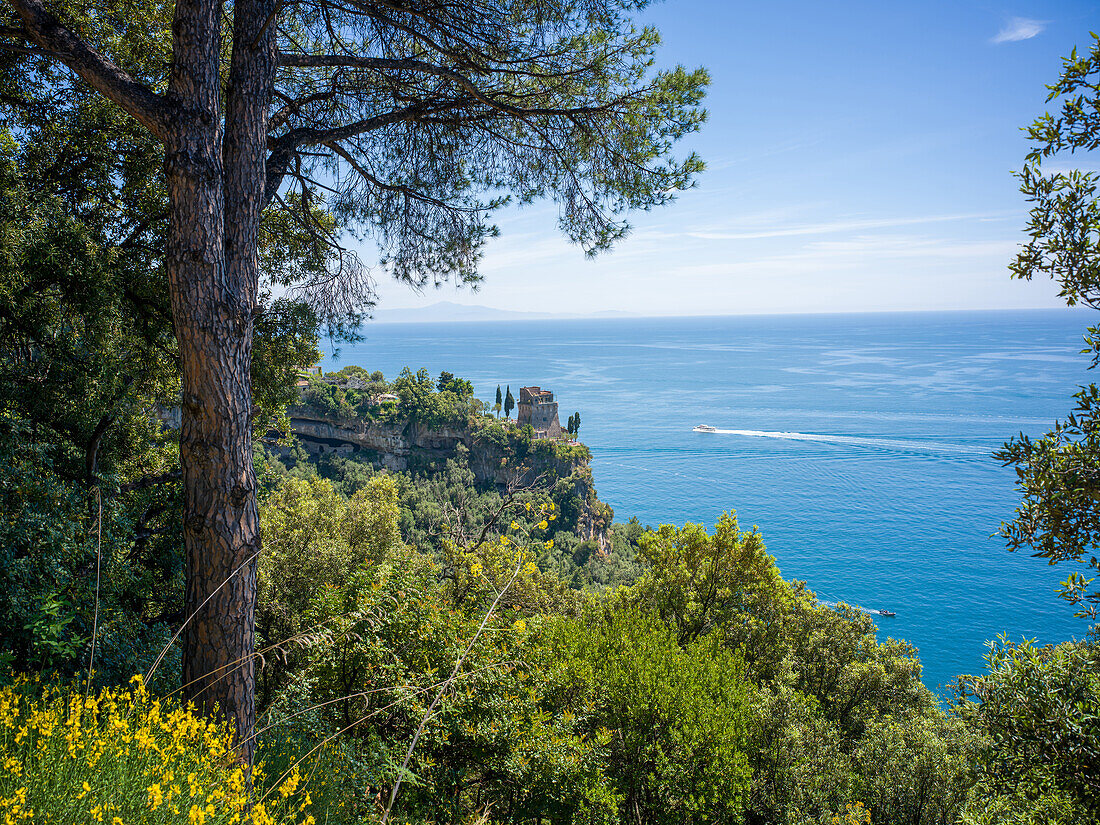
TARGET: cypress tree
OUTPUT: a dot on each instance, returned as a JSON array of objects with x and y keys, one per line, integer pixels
[
  {"x": 576, "y": 423},
  {"x": 509, "y": 402},
  {"x": 499, "y": 400}
]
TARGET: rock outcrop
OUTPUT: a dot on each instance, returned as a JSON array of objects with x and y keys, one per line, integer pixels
[{"x": 497, "y": 454}]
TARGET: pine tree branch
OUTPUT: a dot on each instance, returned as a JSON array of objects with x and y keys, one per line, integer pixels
[
  {"x": 148, "y": 108},
  {"x": 422, "y": 67}
]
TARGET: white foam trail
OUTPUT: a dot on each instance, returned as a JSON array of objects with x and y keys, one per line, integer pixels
[
  {"x": 860, "y": 441},
  {"x": 866, "y": 610}
]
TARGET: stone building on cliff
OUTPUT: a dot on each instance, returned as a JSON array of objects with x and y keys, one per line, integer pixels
[{"x": 538, "y": 408}]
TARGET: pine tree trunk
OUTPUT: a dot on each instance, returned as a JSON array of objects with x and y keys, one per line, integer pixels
[
  {"x": 215, "y": 197},
  {"x": 215, "y": 192}
]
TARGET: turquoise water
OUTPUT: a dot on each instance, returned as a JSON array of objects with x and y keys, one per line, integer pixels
[{"x": 860, "y": 444}]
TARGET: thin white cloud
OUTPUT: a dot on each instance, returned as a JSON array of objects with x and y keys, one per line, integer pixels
[
  {"x": 1066, "y": 168},
  {"x": 902, "y": 246},
  {"x": 1019, "y": 28},
  {"x": 834, "y": 226},
  {"x": 854, "y": 256},
  {"x": 749, "y": 158}
]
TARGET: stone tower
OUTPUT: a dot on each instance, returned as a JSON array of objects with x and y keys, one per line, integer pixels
[{"x": 538, "y": 408}]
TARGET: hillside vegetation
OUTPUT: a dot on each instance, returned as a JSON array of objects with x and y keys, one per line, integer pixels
[
  {"x": 440, "y": 644},
  {"x": 467, "y": 640}
]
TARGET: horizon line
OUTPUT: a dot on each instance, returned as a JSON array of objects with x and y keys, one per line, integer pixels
[{"x": 624, "y": 315}]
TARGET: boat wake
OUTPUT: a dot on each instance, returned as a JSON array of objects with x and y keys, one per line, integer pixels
[
  {"x": 867, "y": 610},
  {"x": 861, "y": 441}
]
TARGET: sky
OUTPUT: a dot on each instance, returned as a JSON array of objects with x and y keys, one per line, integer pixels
[{"x": 859, "y": 158}]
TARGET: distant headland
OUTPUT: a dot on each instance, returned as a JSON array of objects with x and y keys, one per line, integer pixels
[{"x": 451, "y": 312}]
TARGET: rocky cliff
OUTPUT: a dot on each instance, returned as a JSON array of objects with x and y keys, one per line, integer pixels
[{"x": 497, "y": 453}]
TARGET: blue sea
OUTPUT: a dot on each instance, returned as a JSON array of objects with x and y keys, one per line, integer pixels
[{"x": 859, "y": 444}]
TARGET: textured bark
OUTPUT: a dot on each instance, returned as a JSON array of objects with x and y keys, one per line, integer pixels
[
  {"x": 251, "y": 78},
  {"x": 425, "y": 103},
  {"x": 214, "y": 188},
  {"x": 216, "y": 193}
]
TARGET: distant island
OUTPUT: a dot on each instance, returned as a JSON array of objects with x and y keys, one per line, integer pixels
[{"x": 449, "y": 311}]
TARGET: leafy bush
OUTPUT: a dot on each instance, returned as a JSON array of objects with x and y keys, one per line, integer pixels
[
  {"x": 838, "y": 718},
  {"x": 328, "y": 399},
  {"x": 698, "y": 582},
  {"x": 673, "y": 720},
  {"x": 50, "y": 534},
  {"x": 314, "y": 539},
  {"x": 1038, "y": 709},
  {"x": 448, "y": 401}
]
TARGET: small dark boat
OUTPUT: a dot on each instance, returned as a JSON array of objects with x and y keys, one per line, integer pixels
[{"x": 887, "y": 613}]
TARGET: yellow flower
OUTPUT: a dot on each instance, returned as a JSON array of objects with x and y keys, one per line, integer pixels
[
  {"x": 543, "y": 524},
  {"x": 515, "y": 525},
  {"x": 290, "y": 785},
  {"x": 519, "y": 626},
  {"x": 156, "y": 797},
  {"x": 87, "y": 789},
  {"x": 236, "y": 781}
]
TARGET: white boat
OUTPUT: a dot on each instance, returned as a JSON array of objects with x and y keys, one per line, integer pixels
[{"x": 704, "y": 428}]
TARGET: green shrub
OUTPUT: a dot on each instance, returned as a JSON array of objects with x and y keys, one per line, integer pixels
[
  {"x": 673, "y": 721},
  {"x": 1039, "y": 711}
]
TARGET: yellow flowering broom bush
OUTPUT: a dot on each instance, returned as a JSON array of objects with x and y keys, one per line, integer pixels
[{"x": 123, "y": 757}]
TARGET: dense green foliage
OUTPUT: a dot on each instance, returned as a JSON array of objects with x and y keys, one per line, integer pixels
[
  {"x": 709, "y": 688},
  {"x": 497, "y": 646},
  {"x": 86, "y": 354},
  {"x": 677, "y": 717},
  {"x": 1038, "y": 713},
  {"x": 354, "y": 394},
  {"x": 1058, "y": 474}
]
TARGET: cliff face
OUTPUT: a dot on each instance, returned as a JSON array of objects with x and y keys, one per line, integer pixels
[
  {"x": 594, "y": 516},
  {"x": 494, "y": 455},
  {"x": 388, "y": 445}
]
